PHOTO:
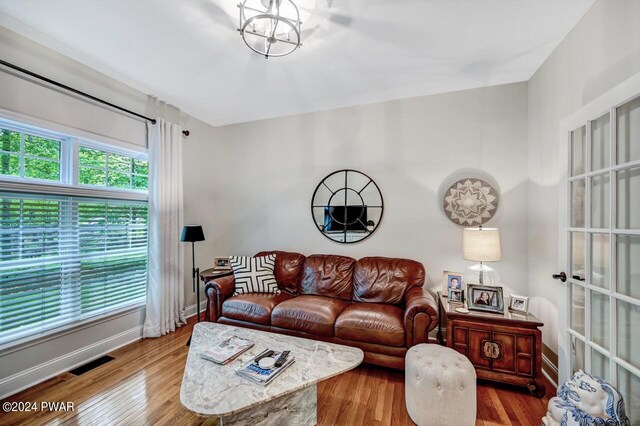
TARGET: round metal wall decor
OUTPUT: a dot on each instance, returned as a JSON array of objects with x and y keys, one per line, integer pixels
[
  {"x": 347, "y": 206},
  {"x": 470, "y": 202}
]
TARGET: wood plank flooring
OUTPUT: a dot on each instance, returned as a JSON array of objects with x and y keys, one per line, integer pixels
[{"x": 142, "y": 386}]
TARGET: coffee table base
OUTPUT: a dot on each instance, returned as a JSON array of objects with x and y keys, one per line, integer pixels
[{"x": 294, "y": 409}]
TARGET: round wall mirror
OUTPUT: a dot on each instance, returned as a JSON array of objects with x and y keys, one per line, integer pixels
[{"x": 347, "y": 206}]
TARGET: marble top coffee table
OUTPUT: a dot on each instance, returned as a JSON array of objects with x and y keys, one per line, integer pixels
[{"x": 213, "y": 390}]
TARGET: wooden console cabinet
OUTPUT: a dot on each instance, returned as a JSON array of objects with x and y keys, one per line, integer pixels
[{"x": 505, "y": 347}]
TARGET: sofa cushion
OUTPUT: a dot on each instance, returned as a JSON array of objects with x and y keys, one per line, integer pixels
[
  {"x": 328, "y": 275},
  {"x": 254, "y": 274},
  {"x": 311, "y": 314},
  {"x": 385, "y": 280},
  {"x": 287, "y": 270},
  {"x": 253, "y": 307},
  {"x": 373, "y": 323}
]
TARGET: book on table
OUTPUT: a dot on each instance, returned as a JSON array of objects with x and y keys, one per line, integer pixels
[
  {"x": 263, "y": 376},
  {"x": 227, "y": 350}
]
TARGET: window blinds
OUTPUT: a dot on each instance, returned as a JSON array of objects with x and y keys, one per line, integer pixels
[{"x": 67, "y": 258}]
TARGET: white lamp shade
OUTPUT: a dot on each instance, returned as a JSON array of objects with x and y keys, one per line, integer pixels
[{"x": 481, "y": 244}]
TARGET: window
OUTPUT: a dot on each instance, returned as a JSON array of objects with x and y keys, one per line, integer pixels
[
  {"x": 100, "y": 168},
  {"x": 71, "y": 253},
  {"x": 29, "y": 156}
]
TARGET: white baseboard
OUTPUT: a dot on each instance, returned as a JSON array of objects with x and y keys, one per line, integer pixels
[
  {"x": 39, "y": 373},
  {"x": 190, "y": 310},
  {"x": 547, "y": 365}
]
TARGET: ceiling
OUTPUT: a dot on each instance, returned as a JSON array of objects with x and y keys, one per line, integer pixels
[{"x": 190, "y": 54}]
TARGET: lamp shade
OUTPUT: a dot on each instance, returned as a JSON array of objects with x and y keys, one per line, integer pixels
[
  {"x": 481, "y": 244},
  {"x": 192, "y": 233}
]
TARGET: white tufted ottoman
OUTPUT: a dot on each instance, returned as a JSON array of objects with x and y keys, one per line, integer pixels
[{"x": 440, "y": 386}]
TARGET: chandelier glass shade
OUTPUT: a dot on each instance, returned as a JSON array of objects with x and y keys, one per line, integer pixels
[{"x": 270, "y": 27}]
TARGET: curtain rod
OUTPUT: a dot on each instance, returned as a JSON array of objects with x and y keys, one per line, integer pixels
[{"x": 78, "y": 92}]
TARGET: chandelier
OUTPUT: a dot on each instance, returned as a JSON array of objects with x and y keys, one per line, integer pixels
[{"x": 270, "y": 27}]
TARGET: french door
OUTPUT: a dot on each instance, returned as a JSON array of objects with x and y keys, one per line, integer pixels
[{"x": 600, "y": 328}]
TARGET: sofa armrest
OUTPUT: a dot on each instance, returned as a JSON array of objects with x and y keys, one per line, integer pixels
[
  {"x": 217, "y": 292},
  {"x": 420, "y": 315}
]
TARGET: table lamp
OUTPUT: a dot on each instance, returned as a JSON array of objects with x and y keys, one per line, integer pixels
[
  {"x": 482, "y": 245},
  {"x": 192, "y": 234}
]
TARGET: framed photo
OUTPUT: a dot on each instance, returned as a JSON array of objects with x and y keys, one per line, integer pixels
[
  {"x": 452, "y": 280},
  {"x": 519, "y": 303},
  {"x": 221, "y": 263},
  {"x": 455, "y": 296},
  {"x": 485, "y": 298}
]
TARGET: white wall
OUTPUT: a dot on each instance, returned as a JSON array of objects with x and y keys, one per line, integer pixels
[
  {"x": 251, "y": 184},
  {"x": 602, "y": 51},
  {"x": 21, "y": 95}
]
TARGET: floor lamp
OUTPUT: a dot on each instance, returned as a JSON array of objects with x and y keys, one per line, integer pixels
[{"x": 192, "y": 234}]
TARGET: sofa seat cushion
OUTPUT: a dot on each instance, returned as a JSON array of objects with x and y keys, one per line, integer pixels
[
  {"x": 253, "y": 307},
  {"x": 373, "y": 323},
  {"x": 311, "y": 314}
]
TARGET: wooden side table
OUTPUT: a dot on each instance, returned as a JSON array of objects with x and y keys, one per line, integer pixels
[
  {"x": 504, "y": 348},
  {"x": 213, "y": 273},
  {"x": 210, "y": 275}
]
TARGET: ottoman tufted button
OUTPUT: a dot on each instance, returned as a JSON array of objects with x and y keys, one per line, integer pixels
[{"x": 439, "y": 386}]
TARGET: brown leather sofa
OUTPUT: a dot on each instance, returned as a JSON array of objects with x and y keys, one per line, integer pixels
[{"x": 376, "y": 304}]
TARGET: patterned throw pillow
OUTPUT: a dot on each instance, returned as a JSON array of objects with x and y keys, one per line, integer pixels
[{"x": 254, "y": 274}]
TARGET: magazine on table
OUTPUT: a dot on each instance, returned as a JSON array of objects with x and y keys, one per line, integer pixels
[
  {"x": 227, "y": 350},
  {"x": 263, "y": 376}
]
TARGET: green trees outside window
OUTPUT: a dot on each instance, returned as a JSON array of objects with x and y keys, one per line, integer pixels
[
  {"x": 29, "y": 156},
  {"x": 99, "y": 168}
]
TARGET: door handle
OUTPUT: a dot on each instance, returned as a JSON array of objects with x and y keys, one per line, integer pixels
[{"x": 561, "y": 276}]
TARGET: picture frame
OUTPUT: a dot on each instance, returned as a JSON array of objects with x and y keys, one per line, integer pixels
[
  {"x": 519, "y": 303},
  {"x": 221, "y": 263},
  {"x": 453, "y": 280},
  {"x": 455, "y": 296},
  {"x": 485, "y": 298}
]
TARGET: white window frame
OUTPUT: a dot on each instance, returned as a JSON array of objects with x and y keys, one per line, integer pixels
[
  {"x": 67, "y": 186},
  {"x": 77, "y": 144},
  {"x": 69, "y": 164}
]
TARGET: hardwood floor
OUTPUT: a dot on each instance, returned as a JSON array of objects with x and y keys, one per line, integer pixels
[{"x": 142, "y": 386}]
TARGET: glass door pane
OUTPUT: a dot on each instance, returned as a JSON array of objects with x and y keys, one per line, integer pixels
[
  {"x": 628, "y": 318},
  {"x": 578, "y": 157},
  {"x": 578, "y": 249},
  {"x": 628, "y": 197},
  {"x": 628, "y": 265},
  {"x": 600, "y": 319},
  {"x": 600, "y": 142},
  {"x": 577, "y": 204},
  {"x": 577, "y": 308},
  {"x": 577, "y": 354},
  {"x": 628, "y": 131},
  {"x": 600, "y": 365},
  {"x": 629, "y": 387},
  {"x": 600, "y": 254},
  {"x": 600, "y": 201}
]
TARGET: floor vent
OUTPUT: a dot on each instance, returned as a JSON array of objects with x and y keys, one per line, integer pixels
[{"x": 91, "y": 365}]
